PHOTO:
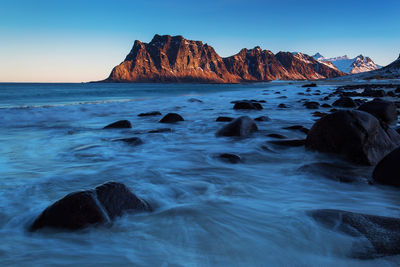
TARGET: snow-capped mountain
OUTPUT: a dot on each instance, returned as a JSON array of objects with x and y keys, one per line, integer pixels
[{"x": 349, "y": 65}]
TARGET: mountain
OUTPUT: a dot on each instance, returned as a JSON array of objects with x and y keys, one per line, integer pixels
[
  {"x": 391, "y": 71},
  {"x": 174, "y": 59},
  {"x": 350, "y": 65}
]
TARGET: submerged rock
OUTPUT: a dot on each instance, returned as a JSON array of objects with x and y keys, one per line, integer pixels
[
  {"x": 289, "y": 143},
  {"x": 119, "y": 124},
  {"x": 130, "y": 140},
  {"x": 248, "y": 105},
  {"x": 297, "y": 128},
  {"x": 388, "y": 169},
  {"x": 356, "y": 135},
  {"x": 231, "y": 158},
  {"x": 336, "y": 172},
  {"x": 262, "y": 118},
  {"x": 81, "y": 209},
  {"x": 161, "y": 130},
  {"x": 277, "y": 136},
  {"x": 345, "y": 102},
  {"x": 311, "y": 105},
  {"x": 382, "y": 234},
  {"x": 224, "y": 119},
  {"x": 152, "y": 113},
  {"x": 171, "y": 118},
  {"x": 383, "y": 110},
  {"x": 242, "y": 126}
]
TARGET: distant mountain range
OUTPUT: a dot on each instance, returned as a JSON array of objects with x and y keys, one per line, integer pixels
[
  {"x": 349, "y": 65},
  {"x": 174, "y": 59}
]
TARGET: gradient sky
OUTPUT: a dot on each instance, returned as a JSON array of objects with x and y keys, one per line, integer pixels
[{"x": 78, "y": 41}]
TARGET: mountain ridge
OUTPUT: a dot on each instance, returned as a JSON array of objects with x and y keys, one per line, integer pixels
[
  {"x": 348, "y": 65},
  {"x": 175, "y": 59}
]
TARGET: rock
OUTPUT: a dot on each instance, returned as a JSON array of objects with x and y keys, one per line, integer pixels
[
  {"x": 290, "y": 143},
  {"x": 297, "y": 128},
  {"x": 171, "y": 118},
  {"x": 161, "y": 130},
  {"x": 248, "y": 105},
  {"x": 152, "y": 113},
  {"x": 262, "y": 118},
  {"x": 336, "y": 172},
  {"x": 373, "y": 93},
  {"x": 356, "y": 135},
  {"x": 119, "y": 124},
  {"x": 309, "y": 85},
  {"x": 391, "y": 94},
  {"x": 242, "y": 126},
  {"x": 325, "y": 105},
  {"x": 192, "y": 100},
  {"x": 225, "y": 119},
  {"x": 81, "y": 209},
  {"x": 344, "y": 102},
  {"x": 383, "y": 110},
  {"x": 319, "y": 114},
  {"x": 388, "y": 169},
  {"x": 131, "y": 140},
  {"x": 282, "y": 97},
  {"x": 282, "y": 106},
  {"x": 277, "y": 93},
  {"x": 382, "y": 234},
  {"x": 278, "y": 136},
  {"x": 231, "y": 158},
  {"x": 311, "y": 105}
]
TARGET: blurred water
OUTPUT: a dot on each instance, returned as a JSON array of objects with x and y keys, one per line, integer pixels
[{"x": 207, "y": 212}]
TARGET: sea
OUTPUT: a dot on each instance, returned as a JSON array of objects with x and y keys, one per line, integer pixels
[{"x": 207, "y": 212}]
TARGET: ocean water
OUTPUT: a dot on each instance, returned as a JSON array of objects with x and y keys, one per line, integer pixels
[{"x": 206, "y": 212}]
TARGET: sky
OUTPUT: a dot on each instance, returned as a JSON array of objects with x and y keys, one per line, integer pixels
[{"x": 80, "y": 41}]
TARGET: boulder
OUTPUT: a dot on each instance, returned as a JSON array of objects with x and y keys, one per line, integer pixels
[
  {"x": 297, "y": 128},
  {"x": 161, "y": 130},
  {"x": 277, "y": 136},
  {"x": 171, "y": 118},
  {"x": 311, "y": 105},
  {"x": 356, "y": 135},
  {"x": 224, "y": 119},
  {"x": 242, "y": 126},
  {"x": 380, "y": 236},
  {"x": 282, "y": 105},
  {"x": 345, "y": 102},
  {"x": 193, "y": 100},
  {"x": 325, "y": 105},
  {"x": 383, "y": 110},
  {"x": 332, "y": 171},
  {"x": 309, "y": 85},
  {"x": 152, "y": 113},
  {"x": 247, "y": 105},
  {"x": 98, "y": 206},
  {"x": 388, "y": 169},
  {"x": 119, "y": 124}
]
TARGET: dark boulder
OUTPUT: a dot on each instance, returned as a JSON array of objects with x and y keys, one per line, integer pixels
[
  {"x": 309, "y": 85},
  {"x": 356, "y": 135},
  {"x": 262, "y": 118},
  {"x": 248, "y": 105},
  {"x": 380, "y": 236},
  {"x": 171, "y": 118},
  {"x": 242, "y": 126},
  {"x": 383, "y": 110},
  {"x": 388, "y": 169},
  {"x": 345, "y": 102},
  {"x": 224, "y": 119},
  {"x": 231, "y": 158},
  {"x": 311, "y": 105},
  {"x": 152, "y": 113},
  {"x": 119, "y": 124},
  {"x": 81, "y": 209},
  {"x": 282, "y": 105},
  {"x": 325, "y": 105}
]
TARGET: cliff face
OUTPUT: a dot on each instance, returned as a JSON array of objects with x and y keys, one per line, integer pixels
[{"x": 175, "y": 59}]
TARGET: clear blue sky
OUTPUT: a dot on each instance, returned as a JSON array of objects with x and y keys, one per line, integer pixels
[{"x": 71, "y": 40}]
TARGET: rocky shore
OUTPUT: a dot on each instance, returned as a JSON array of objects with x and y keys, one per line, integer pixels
[{"x": 354, "y": 123}]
